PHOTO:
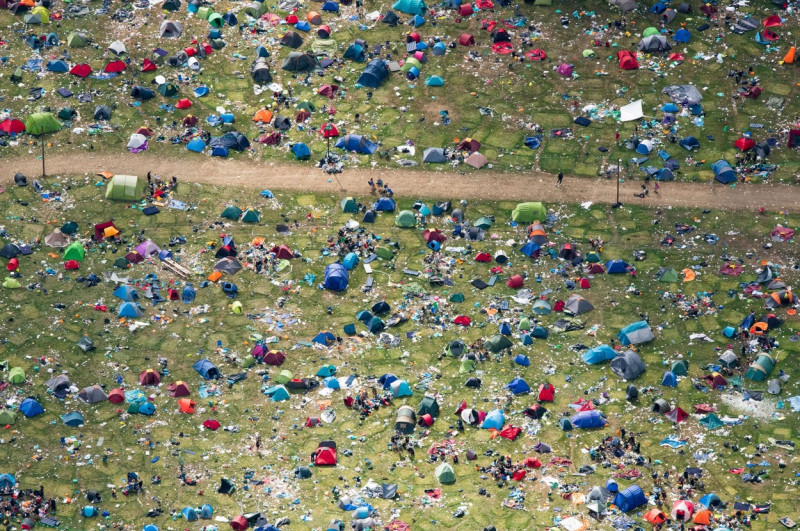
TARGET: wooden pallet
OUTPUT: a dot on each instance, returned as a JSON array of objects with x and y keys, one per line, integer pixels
[{"x": 177, "y": 269}]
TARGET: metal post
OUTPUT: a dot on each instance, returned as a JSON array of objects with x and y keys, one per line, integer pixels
[
  {"x": 43, "y": 172},
  {"x": 618, "y": 204}
]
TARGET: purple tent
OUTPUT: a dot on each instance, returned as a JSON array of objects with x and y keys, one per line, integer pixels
[
  {"x": 564, "y": 69},
  {"x": 147, "y": 248}
]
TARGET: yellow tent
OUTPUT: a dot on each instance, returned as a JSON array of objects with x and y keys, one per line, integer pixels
[
  {"x": 110, "y": 232},
  {"x": 688, "y": 275}
]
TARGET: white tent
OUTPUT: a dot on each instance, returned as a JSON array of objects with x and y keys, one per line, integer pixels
[
  {"x": 136, "y": 141},
  {"x": 631, "y": 111}
]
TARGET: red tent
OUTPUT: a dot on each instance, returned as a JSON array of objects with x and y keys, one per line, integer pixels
[
  {"x": 536, "y": 55},
  {"x": 146, "y": 131},
  {"x": 148, "y": 66},
  {"x": 270, "y": 139},
  {"x": 71, "y": 264},
  {"x": 584, "y": 283},
  {"x": 149, "y": 377},
  {"x": 435, "y": 234},
  {"x": 328, "y": 90},
  {"x": 769, "y": 35},
  {"x": 12, "y": 264},
  {"x": 426, "y": 420},
  {"x": 484, "y": 4},
  {"x": 191, "y": 52},
  {"x": 532, "y": 462},
  {"x": 328, "y": 130},
  {"x": 412, "y": 37},
  {"x": 745, "y": 143},
  {"x": 117, "y": 396},
  {"x": 627, "y": 60},
  {"x": 183, "y": 103},
  {"x": 178, "y": 389},
  {"x": 483, "y": 257},
  {"x": 677, "y": 415},
  {"x": 503, "y": 48},
  {"x": 546, "y": 392},
  {"x": 773, "y": 21},
  {"x": 510, "y": 432},
  {"x": 324, "y": 31},
  {"x": 514, "y": 282},
  {"x": 519, "y": 475},
  {"x": 190, "y": 121},
  {"x": 292, "y": 19},
  {"x": 466, "y": 40},
  {"x": 462, "y": 320},
  {"x": 283, "y": 252},
  {"x": 596, "y": 269},
  {"x": 274, "y": 357},
  {"x": 239, "y": 523},
  {"x": 465, "y": 10},
  {"x": 326, "y": 456},
  {"x": 211, "y": 424},
  {"x": 558, "y": 306},
  {"x": 12, "y": 125},
  {"x": 115, "y": 67},
  {"x": 82, "y": 70},
  {"x": 677, "y": 57}
]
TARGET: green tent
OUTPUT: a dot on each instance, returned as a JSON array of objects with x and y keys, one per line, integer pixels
[
  {"x": 326, "y": 46},
  {"x": 125, "y": 188},
  {"x": 593, "y": 257},
  {"x": 204, "y": 12},
  {"x": 307, "y": 106},
  {"x": 251, "y": 216},
  {"x": 524, "y": 323},
  {"x": 375, "y": 325},
  {"x": 497, "y": 343},
  {"x": 16, "y": 76},
  {"x": 40, "y": 123},
  {"x": 650, "y": 31},
  {"x": 467, "y": 366},
  {"x": 231, "y": 212},
  {"x": 428, "y": 406},
  {"x": 667, "y": 274},
  {"x": 384, "y": 252},
  {"x": 456, "y": 297},
  {"x": 711, "y": 421},
  {"x": 680, "y": 368},
  {"x": 215, "y": 20},
  {"x": 7, "y": 417},
  {"x": 74, "y": 251},
  {"x": 405, "y": 219},
  {"x": 167, "y": 90},
  {"x": 411, "y": 61},
  {"x": 247, "y": 362},
  {"x": 760, "y": 369},
  {"x": 529, "y": 212},
  {"x": 76, "y": 40},
  {"x": 10, "y": 283},
  {"x": 16, "y": 376},
  {"x": 483, "y": 223},
  {"x": 349, "y": 205},
  {"x": 69, "y": 228},
  {"x": 284, "y": 376},
  {"x": 445, "y": 474},
  {"x": 67, "y": 113}
]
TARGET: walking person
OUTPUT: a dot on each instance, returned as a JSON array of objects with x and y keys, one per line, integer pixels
[{"x": 560, "y": 178}]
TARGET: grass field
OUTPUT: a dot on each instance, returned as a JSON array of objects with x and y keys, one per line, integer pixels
[
  {"x": 402, "y": 111},
  {"x": 41, "y": 324}
]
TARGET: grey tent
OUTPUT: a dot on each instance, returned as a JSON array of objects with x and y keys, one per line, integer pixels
[
  {"x": 102, "y": 112},
  {"x": 661, "y": 406},
  {"x": 577, "y": 305},
  {"x": 728, "y": 359},
  {"x": 434, "y": 155},
  {"x": 92, "y": 394},
  {"x": 774, "y": 387},
  {"x": 292, "y": 40},
  {"x": 683, "y": 94},
  {"x": 228, "y": 265},
  {"x": 58, "y": 384},
  {"x": 374, "y": 74},
  {"x": 141, "y": 93},
  {"x": 170, "y": 29},
  {"x": 260, "y": 72},
  {"x": 85, "y": 344},
  {"x": 300, "y": 62},
  {"x": 628, "y": 365},
  {"x": 56, "y": 239},
  {"x": 406, "y": 420},
  {"x": 654, "y": 43},
  {"x": 624, "y": 5},
  {"x": 117, "y": 48},
  {"x": 475, "y": 234},
  {"x": 390, "y": 18}
]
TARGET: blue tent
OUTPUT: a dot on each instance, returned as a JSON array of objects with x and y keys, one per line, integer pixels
[
  {"x": 189, "y": 514},
  {"x": 520, "y": 359},
  {"x": 331, "y": 382},
  {"x": 301, "y": 151},
  {"x": 529, "y": 249},
  {"x": 587, "y": 420},
  {"x": 400, "y": 388},
  {"x": 72, "y": 419},
  {"x": 7, "y": 481},
  {"x": 710, "y": 501},
  {"x": 505, "y": 329},
  {"x": 150, "y": 527},
  {"x": 384, "y": 204},
  {"x": 206, "y": 512},
  {"x": 412, "y": 73},
  {"x": 635, "y": 333},
  {"x": 331, "y": 7},
  {"x": 356, "y": 143},
  {"x": 324, "y": 338},
  {"x": 336, "y": 277},
  {"x": 261, "y": 51},
  {"x": 303, "y": 25},
  {"x": 599, "y": 354},
  {"x": 126, "y": 293},
  {"x": 439, "y": 49},
  {"x": 129, "y": 309},
  {"x": 410, "y": 7},
  {"x": 533, "y": 142},
  {"x": 682, "y": 35},
  {"x": 188, "y": 294},
  {"x": 374, "y": 74},
  {"x": 200, "y": 91},
  {"x": 611, "y": 485},
  {"x": 540, "y": 332},
  {"x": 643, "y": 148},
  {"x": 215, "y": 33},
  {"x": 417, "y": 21},
  {"x": 387, "y": 379},
  {"x": 494, "y": 420},
  {"x": 629, "y": 499},
  {"x": 665, "y": 174},
  {"x": 526, "y": 339},
  {"x": 89, "y": 511},
  {"x": 57, "y": 66},
  {"x": 356, "y": 52},
  {"x": 518, "y": 386},
  {"x": 147, "y": 408},
  {"x": 616, "y": 267},
  {"x": 350, "y": 261},
  {"x": 669, "y": 379},
  {"x": 723, "y": 172},
  {"x": 227, "y": 118},
  {"x": 434, "y": 81},
  {"x": 196, "y": 145},
  {"x": 206, "y": 369},
  {"x": 220, "y": 151},
  {"x": 669, "y": 107},
  {"x": 230, "y": 18},
  {"x": 689, "y": 143},
  {"x": 658, "y": 8},
  {"x": 277, "y": 393}
]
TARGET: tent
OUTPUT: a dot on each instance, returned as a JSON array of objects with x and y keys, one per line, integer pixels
[
  {"x": 627, "y": 60},
  {"x": 206, "y": 369},
  {"x": 375, "y": 72},
  {"x": 529, "y": 212},
  {"x": 74, "y": 251},
  {"x": 599, "y": 354},
  {"x": 761, "y": 368},
  {"x": 405, "y": 219},
  {"x": 277, "y": 393},
  {"x": 300, "y": 62},
  {"x": 40, "y": 123},
  {"x": 518, "y": 386},
  {"x": 428, "y": 406},
  {"x": 170, "y": 29},
  {"x": 628, "y": 365},
  {"x": 73, "y": 419},
  {"x": 667, "y": 274},
  {"x": 434, "y": 155},
  {"x": 130, "y": 310},
  {"x": 616, "y": 267},
  {"x": 654, "y": 43},
  {"x": 357, "y": 144},
  {"x": 336, "y": 277},
  {"x": 30, "y": 408},
  {"x": 301, "y": 151},
  {"x": 723, "y": 172},
  {"x": 577, "y": 305},
  {"x": 445, "y": 474},
  {"x": 498, "y": 343},
  {"x": 355, "y": 52},
  {"x": 348, "y": 205},
  {"x": 406, "y": 420},
  {"x": 410, "y": 7},
  {"x": 635, "y": 334},
  {"x": 682, "y": 35},
  {"x": 669, "y": 379},
  {"x": 124, "y": 188},
  {"x": 92, "y": 394},
  {"x": 400, "y": 388},
  {"x": 326, "y": 456},
  {"x": 630, "y": 498},
  {"x": 587, "y": 420}
]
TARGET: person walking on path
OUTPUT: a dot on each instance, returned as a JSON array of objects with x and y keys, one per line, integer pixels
[{"x": 560, "y": 178}]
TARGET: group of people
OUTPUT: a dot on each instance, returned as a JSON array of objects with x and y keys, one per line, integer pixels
[
  {"x": 380, "y": 187},
  {"x": 156, "y": 187}
]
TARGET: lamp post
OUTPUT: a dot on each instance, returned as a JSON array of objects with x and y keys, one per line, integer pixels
[{"x": 618, "y": 204}]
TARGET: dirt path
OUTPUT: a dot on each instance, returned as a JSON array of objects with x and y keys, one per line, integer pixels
[{"x": 486, "y": 185}]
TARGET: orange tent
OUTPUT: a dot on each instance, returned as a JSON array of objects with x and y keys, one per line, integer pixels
[
  {"x": 187, "y": 405},
  {"x": 216, "y": 275},
  {"x": 655, "y": 517},
  {"x": 789, "y": 57},
  {"x": 314, "y": 18},
  {"x": 263, "y": 116},
  {"x": 110, "y": 232},
  {"x": 688, "y": 275},
  {"x": 703, "y": 517}
]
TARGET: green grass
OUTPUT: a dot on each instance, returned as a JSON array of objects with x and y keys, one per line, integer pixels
[{"x": 32, "y": 328}]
